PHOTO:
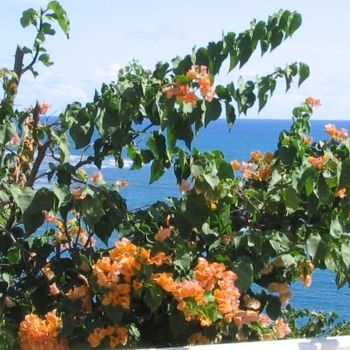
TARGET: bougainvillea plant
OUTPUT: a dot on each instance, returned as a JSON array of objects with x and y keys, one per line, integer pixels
[{"x": 212, "y": 265}]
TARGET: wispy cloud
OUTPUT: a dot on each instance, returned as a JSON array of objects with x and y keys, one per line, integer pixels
[{"x": 108, "y": 72}]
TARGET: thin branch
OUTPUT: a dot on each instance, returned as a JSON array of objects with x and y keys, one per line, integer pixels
[
  {"x": 143, "y": 130},
  {"x": 19, "y": 245},
  {"x": 19, "y": 55},
  {"x": 36, "y": 166},
  {"x": 37, "y": 48}
]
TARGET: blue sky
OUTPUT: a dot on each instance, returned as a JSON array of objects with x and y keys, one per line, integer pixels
[{"x": 107, "y": 34}]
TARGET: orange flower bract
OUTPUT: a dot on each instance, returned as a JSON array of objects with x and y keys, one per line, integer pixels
[
  {"x": 313, "y": 102},
  {"x": 41, "y": 334}
]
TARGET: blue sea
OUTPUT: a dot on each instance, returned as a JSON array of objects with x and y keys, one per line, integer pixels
[{"x": 245, "y": 136}]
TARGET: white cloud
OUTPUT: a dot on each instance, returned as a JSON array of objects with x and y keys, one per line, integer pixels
[
  {"x": 108, "y": 72},
  {"x": 68, "y": 93}
]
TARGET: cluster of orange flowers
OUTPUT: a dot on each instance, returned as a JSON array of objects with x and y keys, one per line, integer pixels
[
  {"x": 198, "y": 339},
  {"x": 208, "y": 277},
  {"x": 250, "y": 169},
  {"x": 182, "y": 91},
  {"x": 38, "y": 334},
  {"x": 116, "y": 271},
  {"x": 332, "y": 131},
  {"x": 306, "y": 270},
  {"x": 117, "y": 335},
  {"x": 313, "y": 102},
  {"x": 283, "y": 290},
  {"x": 205, "y": 81},
  {"x": 318, "y": 162},
  {"x": 73, "y": 231},
  {"x": 213, "y": 280},
  {"x": 165, "y": 232},
  {"x": 81, "y": 292},
  {"x": 341, "y": 193}
]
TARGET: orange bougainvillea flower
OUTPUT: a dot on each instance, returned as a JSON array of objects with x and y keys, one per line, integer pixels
[
  {"x": 163, "y": 233},
  {"x": 38, "y": 334},
  {"x": 318, "y": 162},
  {"x": 44, "y": 107},
  {"x": 264, "y": 320},
  {"x": 182, "y": 93},
  {"x": 198, "y": 339},
  {"x": 251, "y": 303},
  {"x": 313, "y": 102},
  {"x": 308, "y": 140},
  {"x": 207, "y": 274},
  {"x": 256, "y": 155},
  {"x": 236, "y": 165},
  {"x": 332, "y": 131},
  {"x": 119, "y": 296},
  {"x": 268, "y": 157},
  {"x": 97, "y": 177},
  {"x": 120, "y": 183},
  {"x": 160, "y": 259},
  {"x": 185, "y": 186},
  {"x": 78, "y": 194},
  {"x": 306, "y": 269},
  {"x": 281, "y": 329},
  {"x": 48, "y": 272},
  {"x": 191, "y": 74},
  {"x": 165, "y": 280},
  {"x": 54, "y": 289},
  {"x": 82, "y": 292},
  {"x": 341, "y": 193},
  {"x": 283, "y": 290},
  {"x": 136, "y": 284},
  {"x": 118, "y": 336},
  {"x": 16, "y": 140}
]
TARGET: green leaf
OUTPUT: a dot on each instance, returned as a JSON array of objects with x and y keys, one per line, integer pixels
[
  {"x": 178, "y": 324},
  {"x": 312, "y": 244},
  {"x": 14, "y": 255},
  {"x": 196, "y": 210},
  {"x": 233, "y": 59},
  {"x": 63, "y": 194},
  {"x": 28, "y": 17},
  {"x": 45, "y": 59},
  {"x": 60, "y": 15},
  {"x": 276, "y": 38},
  {"x": 295, "y": 23},
  {"x": 291, "y": 198},
  {"x": 33, "y": 216},
  {"x": 244, "y": 270},
  {"x": 345, "y": 254},
  {"x": 323, "y": 190},
  {"x": 212, "y": 111},
  {"x": 336, "y": 229},
  {"x": 304, "y": 72},
  {"x": 344, "y": 179},
  {"x": 153, "y": 296},
  {"x": 222, "y": 92},
  {"x": 22, "y": 196},
  {"x": 64, "y": 148},
  {"x": 273, "y": 308},
  {"x": 245, "y": 49},
  {"x": 230, "y": 114},
  {"x": 182, "y": 263},
  {"x": 114, "y": 313},
  {"x": 157, "y": 170},
  {"x": 91, "y": 209},
  {"x": 47, "y": 29},
  {"x": 81, "y": 134},
  {"x": 317, "y": 247}
]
